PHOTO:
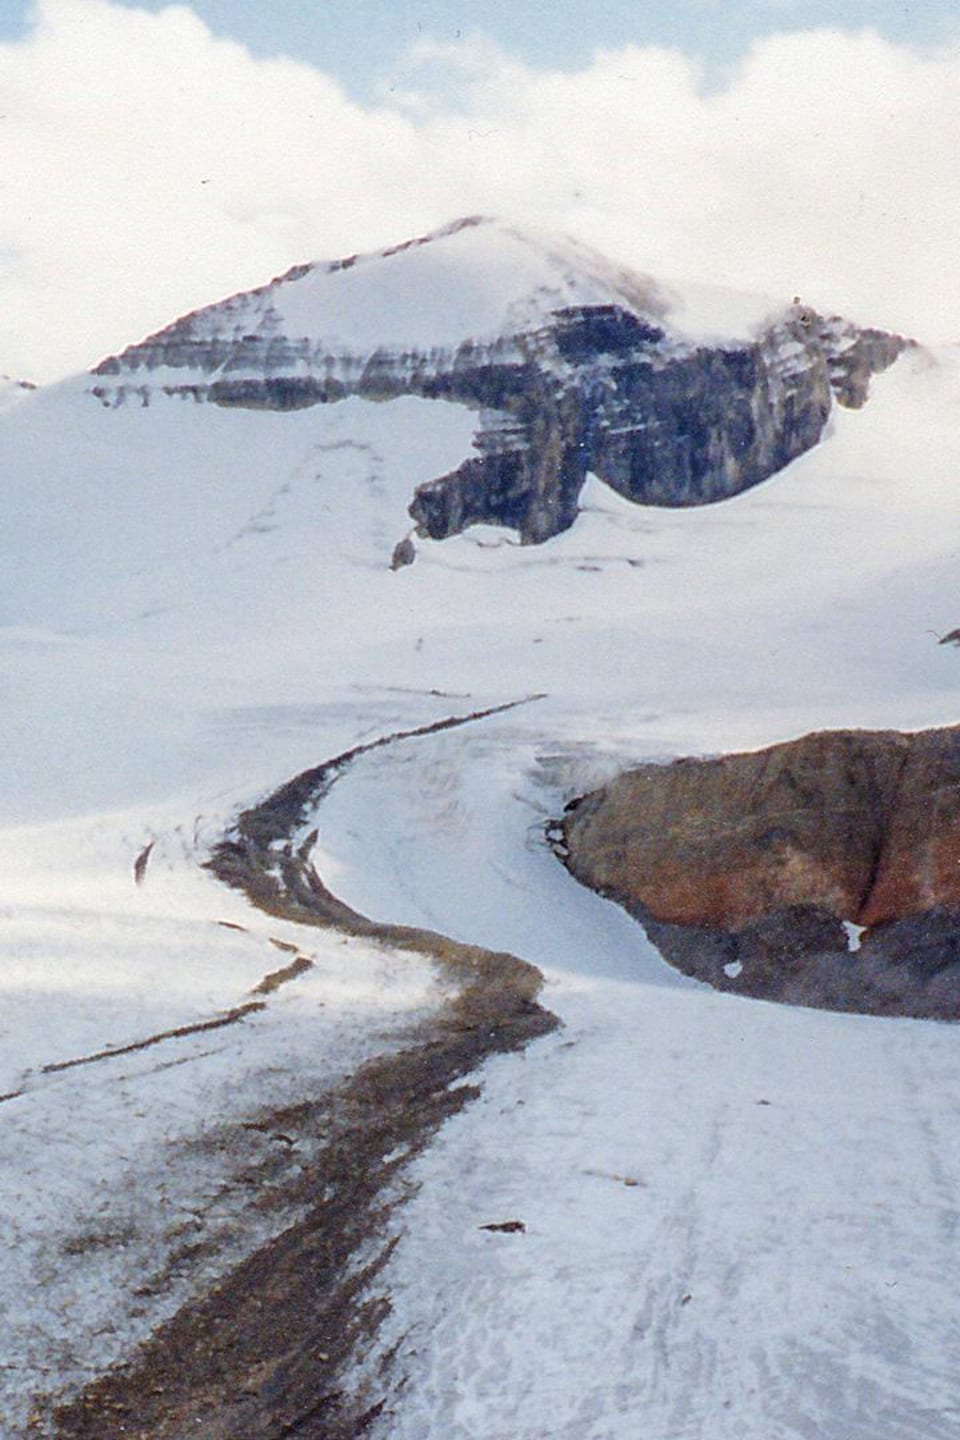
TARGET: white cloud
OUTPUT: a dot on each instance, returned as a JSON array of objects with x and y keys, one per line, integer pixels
[{"x": 147, "y": 167}]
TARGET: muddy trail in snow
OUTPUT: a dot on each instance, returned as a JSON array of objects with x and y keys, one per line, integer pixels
[{"x": 261, "y": 1357}]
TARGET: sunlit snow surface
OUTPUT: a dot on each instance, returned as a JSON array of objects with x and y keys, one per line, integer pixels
[
  {"x": 480, "y": 281},
  {"x": 741, "y": 1219},
  {"x": 197, "y": 604},
  {"x": 482, "y": 278}
]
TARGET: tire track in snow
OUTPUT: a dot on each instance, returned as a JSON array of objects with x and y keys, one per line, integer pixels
[
  {"x": 262, "y": 1356},
  {"x": 179, "y": 1032}
]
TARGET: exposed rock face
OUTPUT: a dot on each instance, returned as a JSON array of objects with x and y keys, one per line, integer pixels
[
  {"x": 855, "y": 356},
  {"x": 608, "y": 386},
  {"x": 743, "y": 869}
]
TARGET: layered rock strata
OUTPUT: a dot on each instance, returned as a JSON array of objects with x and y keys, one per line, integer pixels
[
  {"x": 825, "y": 871},
  {"x": 609, "y": 388}
]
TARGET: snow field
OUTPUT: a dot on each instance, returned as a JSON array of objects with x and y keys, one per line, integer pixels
[
  {"x": 214, "y": 612},
  {"x": 740, "y": 1219},
  {"x": 738, "y": 1225},
  {"x": 122, "y": 1190},
  {"x": 485, "y": 279}
]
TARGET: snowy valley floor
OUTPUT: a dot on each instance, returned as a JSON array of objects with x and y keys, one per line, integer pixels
[
  {"x": 723, "y": 1218},
  {"x": 740, "y": 1221},
  {"x": 273, "y": 1167}
]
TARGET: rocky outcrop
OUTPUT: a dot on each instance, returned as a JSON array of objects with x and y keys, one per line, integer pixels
[
  {"x": 855, "y": 356},
  {"x": 609, "y": 388},
  {"x": 661, "y": 426},
  {"x": 13, "y": 391},
  {"x": 825, "y": 871}
]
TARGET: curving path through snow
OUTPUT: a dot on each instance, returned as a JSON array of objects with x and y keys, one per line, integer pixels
[{"x": 741, "y": 1220}]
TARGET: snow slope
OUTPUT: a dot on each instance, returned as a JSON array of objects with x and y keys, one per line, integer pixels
[
  {"x": 477, "y": 291},
  {"x": 740, "y": 1219},
  {"x": 123, "y": 1173},
  {"x": 13, "y": 391},
  {"x": 485, "y": 279},
  {"x": 197, "y": 603}
]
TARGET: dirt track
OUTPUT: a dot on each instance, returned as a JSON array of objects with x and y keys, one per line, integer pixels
[{"x": 261, "y": 1357}]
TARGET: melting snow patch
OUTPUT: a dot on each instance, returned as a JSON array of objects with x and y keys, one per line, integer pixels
[
  {"x": 732, "y": 970},
  {"x": 854, "y": 935}
]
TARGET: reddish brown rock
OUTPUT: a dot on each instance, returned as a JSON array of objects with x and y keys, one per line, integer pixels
[
  {"x": 918, "y": 867},
  {"x": 741, "y": 868}
]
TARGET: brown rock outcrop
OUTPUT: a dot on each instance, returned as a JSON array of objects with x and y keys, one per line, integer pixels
[
  {"x": 743, "y": 868},
  {"x": 918, "y": 868}
]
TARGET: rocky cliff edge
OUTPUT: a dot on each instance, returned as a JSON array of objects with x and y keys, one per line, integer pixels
[
  {"x": 573, "y": 365},
  {"x": 825, "y": 871}
]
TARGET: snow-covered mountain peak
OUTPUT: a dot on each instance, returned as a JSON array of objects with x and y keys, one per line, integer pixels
[
  {"x": 572, "y": 362},
  {"x": 476, "y": 279},
  {"x": 479, "y": 278}
]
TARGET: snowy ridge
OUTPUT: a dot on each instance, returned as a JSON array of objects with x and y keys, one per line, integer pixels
[
  {"x": 479, "y": 281},
  {"x": 13, "y": 392},
  {"x": 572, "y": 363},
  {"x": 476, "y": 279}
]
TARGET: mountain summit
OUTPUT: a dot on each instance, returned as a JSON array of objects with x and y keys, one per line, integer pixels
[
  {"x": 478, "y": 278},
  {"x": 573, "y": 364}
]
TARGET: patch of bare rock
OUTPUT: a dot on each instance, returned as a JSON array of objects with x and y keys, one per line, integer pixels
[{"x": 824, "y": 871}]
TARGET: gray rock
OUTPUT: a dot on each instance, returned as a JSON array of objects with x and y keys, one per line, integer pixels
[
  {"x": 404, "y": 553},
  {"x": 606, "y": 388}
]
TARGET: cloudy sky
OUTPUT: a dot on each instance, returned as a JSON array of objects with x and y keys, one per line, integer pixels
[{"x": 154, "y": 157}]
